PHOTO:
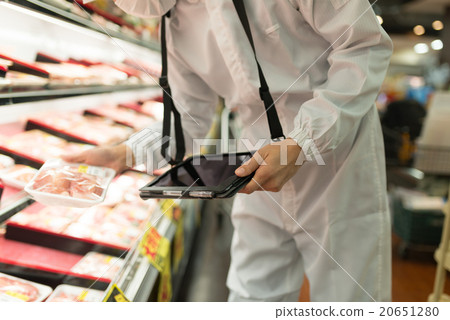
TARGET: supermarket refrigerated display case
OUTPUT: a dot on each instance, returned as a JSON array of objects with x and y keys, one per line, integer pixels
[
  {"x": 32, "y": 37},
  {"x": 43, "y": 57}
]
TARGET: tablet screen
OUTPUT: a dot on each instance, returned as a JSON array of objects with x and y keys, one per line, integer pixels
[{"x": 210, "y": 171}]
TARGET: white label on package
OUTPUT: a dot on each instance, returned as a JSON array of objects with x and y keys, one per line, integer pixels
[{"x": 92, "y": 171}]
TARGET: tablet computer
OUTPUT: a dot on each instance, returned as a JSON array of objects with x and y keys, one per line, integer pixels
[{"x": 200, "y": 177}]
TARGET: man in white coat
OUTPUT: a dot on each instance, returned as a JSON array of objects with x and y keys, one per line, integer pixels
[{"x": 324, "y": 62}]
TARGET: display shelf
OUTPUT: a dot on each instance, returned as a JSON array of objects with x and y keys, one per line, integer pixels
[
  {"x": 192, "y": 211},
  {"x": 45, "y": 94},
  {"x": 86, "y": 22},
  {"x": 138, "y": 277},
  {"x": 12, "y": 203}
]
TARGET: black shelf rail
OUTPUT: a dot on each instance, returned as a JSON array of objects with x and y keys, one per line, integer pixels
[
  {"x": 8, "y": 96},
  {"x": 11, "y": 205}
]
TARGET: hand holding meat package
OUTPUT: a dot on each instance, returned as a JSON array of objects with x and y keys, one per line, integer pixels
[{"x": 70, "y": 184}]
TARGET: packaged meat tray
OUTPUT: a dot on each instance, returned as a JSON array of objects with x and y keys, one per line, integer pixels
[
  {"x": 78, "y": 128},
  {"x": 69, "y": 184},
  {"x": 54, "y": 219},
  {"x": 17, "y": 176},
  {"x": 154, "y": 109},
  {"x": 5, "y": 162},
  {"x": 126, "y": 188},
  {"x": 19, "y": 290},
  {"x": 98, "y": 265},
  {"x": 38, "y": 146},
  {"x": 68, "y": 293},
  {"x": 125, "y": 116}
]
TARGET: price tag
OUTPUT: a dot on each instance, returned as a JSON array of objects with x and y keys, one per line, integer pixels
[
  {"x": 115, "y": 295},
  {"x": 171, "y": 209},
  {"x": 165, "y": 284},
  {"x": 91, "y": 170},
  {"x": 178, "y": 244},
  {"x": 17, "y": 295},
  {"x": 157, "y": 250},
  {"x": 82, "y": 295}
]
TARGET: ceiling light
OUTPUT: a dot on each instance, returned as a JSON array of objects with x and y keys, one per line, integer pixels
[
  {"x": 437, "y": 25},
  {"x": 419, "y": 30},
  {"x": 421, "y": 48},
  {"x": 437, "y": 44},
  {"x": 380, "y": 19}
]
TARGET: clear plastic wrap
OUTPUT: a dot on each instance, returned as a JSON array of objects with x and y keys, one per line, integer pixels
[
  {"x": 50, "y": 219},
  {"x": 70, "y": 184},
  {"x": 98, "y": 265},
  {"x": 68, "y": 293},
  {"x": 40, "y": 145},
  {"x": 17, "y": 176},
  {"x": 5, "y": 162}
]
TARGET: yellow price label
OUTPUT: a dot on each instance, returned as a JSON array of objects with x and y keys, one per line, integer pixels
[
  {"x": 120, "y": 298},
  {"x": 17, "y": 295},
  {"x": 155, "y": 248},
  {"x": 82, "y": 168},
  {"x": 178, "y": 244},
  {"x": 167, "y": 207},
  {"x": 165, "y": 284},
  {"x": 171, "y": 209},
  {"x": 82, "y": 295},
  {"x": 115, "y": 295}
]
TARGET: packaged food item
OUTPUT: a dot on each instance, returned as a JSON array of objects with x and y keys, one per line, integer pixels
[
  {"x": 17, "y": 176},
  {"x": 125, "y": 116},
  {"x": 154, "y": 109},
  {"x": 19, "y": 290},
  {"x": 70, "y": 184},
  {"x": 129, "y": 214},
  {"x": 121, "y": 236},
  {"x": 98, "y": 265},
  {"x": 80, "y": 230},
  {"x": 40, "y": 145},
  {"x": 5, "y": 162},
  {"x": 49, "y": 219},
  {"x": 92, "y": 129},
  {"x": 68, "y": 293}
]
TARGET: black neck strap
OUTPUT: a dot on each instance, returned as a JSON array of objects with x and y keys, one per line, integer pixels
[
  {"x": 169, "y": 106},
  {"x": 276, "y": 131}
]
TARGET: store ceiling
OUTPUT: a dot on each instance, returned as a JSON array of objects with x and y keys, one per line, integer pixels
[
  {"x": 400, "y": 16},
  {"x": 399, "y": 19}
]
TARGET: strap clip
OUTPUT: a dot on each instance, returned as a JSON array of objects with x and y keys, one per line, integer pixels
[
  {"x": 264, "y": 94},
  {"x": 164, "y": 82}
]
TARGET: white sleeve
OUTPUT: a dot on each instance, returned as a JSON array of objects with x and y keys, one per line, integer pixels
[
  {"x": 195, "y": 102},
  {"x": 145, "y": 8},
  {"x": 359, "y": 56}
]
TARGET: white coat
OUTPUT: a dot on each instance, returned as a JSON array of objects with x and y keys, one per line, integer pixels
[{"x": 324, "y": 62}]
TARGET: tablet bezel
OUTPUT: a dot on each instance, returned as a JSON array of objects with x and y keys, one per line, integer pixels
[{"x": 228, "y": 188}]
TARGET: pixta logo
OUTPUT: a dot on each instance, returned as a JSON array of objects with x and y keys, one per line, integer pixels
[
  {"x": 145, "y": 148},
  {"x": 310, "y": 152}
]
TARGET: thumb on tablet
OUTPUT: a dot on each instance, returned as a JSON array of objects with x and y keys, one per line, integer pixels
[{"x": 247, "y": 168}]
